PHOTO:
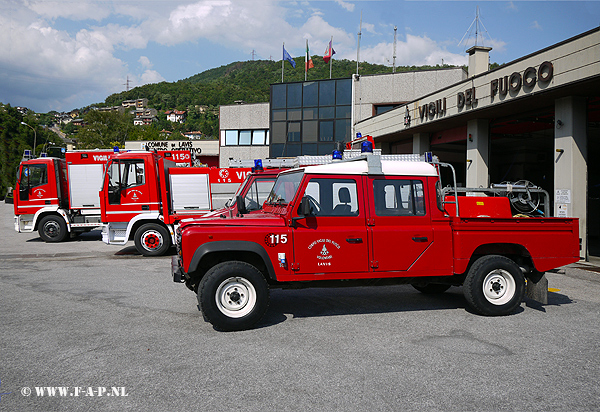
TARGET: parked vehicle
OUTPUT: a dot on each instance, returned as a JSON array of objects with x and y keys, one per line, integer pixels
[
  {"x": 368, "y": 221},
  {"x": 144, "y": 197},
  {"x": 60, "y": 197}
]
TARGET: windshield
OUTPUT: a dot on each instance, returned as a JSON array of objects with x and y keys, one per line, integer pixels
[
  {"x": 241, "y": 187},
  {"x": 285, "y": 187}
]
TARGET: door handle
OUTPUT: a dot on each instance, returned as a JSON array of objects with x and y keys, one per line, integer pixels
[
  {"x": 420, "y": 239},
  {"x": 354, "y": 240}
]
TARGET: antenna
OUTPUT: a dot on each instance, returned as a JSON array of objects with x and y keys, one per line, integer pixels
[
  {"x": 476, "y": 23},
  {"x": 394, "y": 56},
  {"x": 358, "y": 45},
  {"x": 253, "y": 54},
  {"x": 127, "y": 83}
]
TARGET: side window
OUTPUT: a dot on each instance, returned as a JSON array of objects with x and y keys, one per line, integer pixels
[
  {"x": 333, "y": 197},
  {"x": 398, "y": 197},
  {"x": 127, "y": 173},
  {"x": 34, "y": 176}
]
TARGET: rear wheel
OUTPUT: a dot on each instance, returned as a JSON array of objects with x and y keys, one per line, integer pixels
[
  {"x": 494, "y": 286},
  {"x": 52, "y": 228},
  {"x": 152, "y": 239},
  {"x": 233, "y": 296}
]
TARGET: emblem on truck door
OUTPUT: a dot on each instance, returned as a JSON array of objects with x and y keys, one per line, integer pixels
[{"x": 324, "y": 253}]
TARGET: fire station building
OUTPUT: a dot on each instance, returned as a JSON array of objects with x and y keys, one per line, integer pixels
[{"x": 536, "y": 119}]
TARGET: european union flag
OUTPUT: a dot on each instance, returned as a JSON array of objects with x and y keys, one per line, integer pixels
[{"x": 286, "y": 56}]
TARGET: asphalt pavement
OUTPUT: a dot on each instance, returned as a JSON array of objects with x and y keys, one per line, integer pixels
[{"x": 89, "y": 327}]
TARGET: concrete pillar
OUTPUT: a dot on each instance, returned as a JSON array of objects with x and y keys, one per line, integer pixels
[
  {"x": 570, "y": 162},
  {"x": 421, "y": 143},
  {"x": 478, "y": 153}
]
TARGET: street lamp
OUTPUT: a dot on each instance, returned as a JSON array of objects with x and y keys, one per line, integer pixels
[{"x": 34, "y": 137}]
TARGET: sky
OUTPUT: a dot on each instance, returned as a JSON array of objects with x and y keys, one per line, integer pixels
[{"x": 67, "y": 54}]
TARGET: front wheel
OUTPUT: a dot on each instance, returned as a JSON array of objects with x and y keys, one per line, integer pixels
[
  {"x": 152, "y": 239},
  {"x": 52, "y": 228},
  {"x": 233, "y": 296},
  {"x": 494, "y": 286}
]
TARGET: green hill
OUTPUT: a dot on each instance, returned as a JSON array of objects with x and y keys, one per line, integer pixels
[{"x": 248, "y": 81}]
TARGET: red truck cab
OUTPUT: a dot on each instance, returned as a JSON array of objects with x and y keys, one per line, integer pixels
[{"x": 365, "y": 222}]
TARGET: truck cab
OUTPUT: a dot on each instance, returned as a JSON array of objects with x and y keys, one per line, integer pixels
[{"x": 145, "y": 196}]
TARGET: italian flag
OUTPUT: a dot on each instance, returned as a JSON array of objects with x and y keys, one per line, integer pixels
[{"x": 308, "y": 60}]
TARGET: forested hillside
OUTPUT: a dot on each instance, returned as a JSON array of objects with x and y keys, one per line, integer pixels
[{"x": 248, "y": 81}]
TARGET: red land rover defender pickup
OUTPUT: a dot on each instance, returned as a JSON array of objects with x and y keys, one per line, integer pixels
[{"x": 367, "y": 222}]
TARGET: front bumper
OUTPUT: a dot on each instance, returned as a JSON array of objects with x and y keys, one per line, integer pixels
[{"x": 176, "y": 270}]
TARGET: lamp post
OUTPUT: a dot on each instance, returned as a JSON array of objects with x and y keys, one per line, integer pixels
[{"x": 34, "y": 137}]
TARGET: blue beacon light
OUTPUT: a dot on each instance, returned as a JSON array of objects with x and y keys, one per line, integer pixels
[
  {"x": 366, "y": 147},
  {"x": 258, "y": 166}
]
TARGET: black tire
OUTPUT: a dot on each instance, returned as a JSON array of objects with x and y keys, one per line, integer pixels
[
  {"x": 494, "y": 286},
  {"x": 431, "y": 288},
  {"x": 233, "y": 296},
  {"x": 52, "y": 228},
  {"x": 152, "y": 239}
]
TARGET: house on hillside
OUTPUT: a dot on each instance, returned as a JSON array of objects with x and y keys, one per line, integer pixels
[
  {"x": 176, "y": 116},
  {"x": 137, "y": 103},
  {"x": 193, "y": 135},
  {"x": 144, "y": 120}
]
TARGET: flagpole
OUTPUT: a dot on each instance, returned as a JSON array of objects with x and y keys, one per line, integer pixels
[
  {"x": 282, "y": 61},
  {"x": 306, "y": 61},
  {"x": 331, "y": 55},
  {"x": 358, "y": 45}
]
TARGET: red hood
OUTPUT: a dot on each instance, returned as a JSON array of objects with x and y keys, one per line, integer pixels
[{"x": 257, "y": 218}]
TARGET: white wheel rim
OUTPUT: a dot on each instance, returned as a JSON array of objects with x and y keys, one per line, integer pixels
[
  {"x": 152, "y": 240},
  {"x": 235, "y": 297},
  {"x": 499, "y": 287}
]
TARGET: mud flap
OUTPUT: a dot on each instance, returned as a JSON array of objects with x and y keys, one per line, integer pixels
[{"x": 538, "y": 290}]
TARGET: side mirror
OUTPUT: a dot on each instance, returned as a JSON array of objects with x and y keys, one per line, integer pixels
[
  {"x": 304, "y": 208},
  {"x": 241, "y": 205}
]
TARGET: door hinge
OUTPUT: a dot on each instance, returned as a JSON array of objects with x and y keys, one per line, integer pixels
[
  {"x": 374, "y": 264},
  {"x": 295, "y": 266},
  {"x": 370, "y": 222}
]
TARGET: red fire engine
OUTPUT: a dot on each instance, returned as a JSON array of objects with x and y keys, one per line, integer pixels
[
  {"x": 144, "y": 196},
  {"x": 368, "y": 222},
  {"x": 58, "y": 197}
]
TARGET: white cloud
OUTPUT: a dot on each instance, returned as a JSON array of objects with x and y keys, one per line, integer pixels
[
  {"x": 151, "y": 76},
  {"x": 74, "y": 10},
  {"x": 414, "y": 51},
  {"x": 145, "y": 62},
  {"x": 99, "y": 43},
  {"x": 345, "y": 5},
  {"x": 535, "y": 25}
]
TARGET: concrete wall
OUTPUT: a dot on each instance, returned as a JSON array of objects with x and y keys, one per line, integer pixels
[
  {"x": 242, "y": 117},
  {"x": 399, "y": 87}
]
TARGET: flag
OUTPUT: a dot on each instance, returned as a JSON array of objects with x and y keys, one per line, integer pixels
[
  {"x": 329, "y": 52},
  {"x": 308, "y": 60},
  {"x": 286, "y": 56}
]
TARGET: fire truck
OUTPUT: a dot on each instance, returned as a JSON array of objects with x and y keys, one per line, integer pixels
[
  {"x": 144, "y": 196},
  {"x": 60, "y": 197},
  {"x": 369, "y": 221}
]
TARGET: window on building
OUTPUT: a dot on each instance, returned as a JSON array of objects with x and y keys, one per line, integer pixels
[
  {"x": 315, "y": 115},
  {"x": 250, "y": 137}
]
